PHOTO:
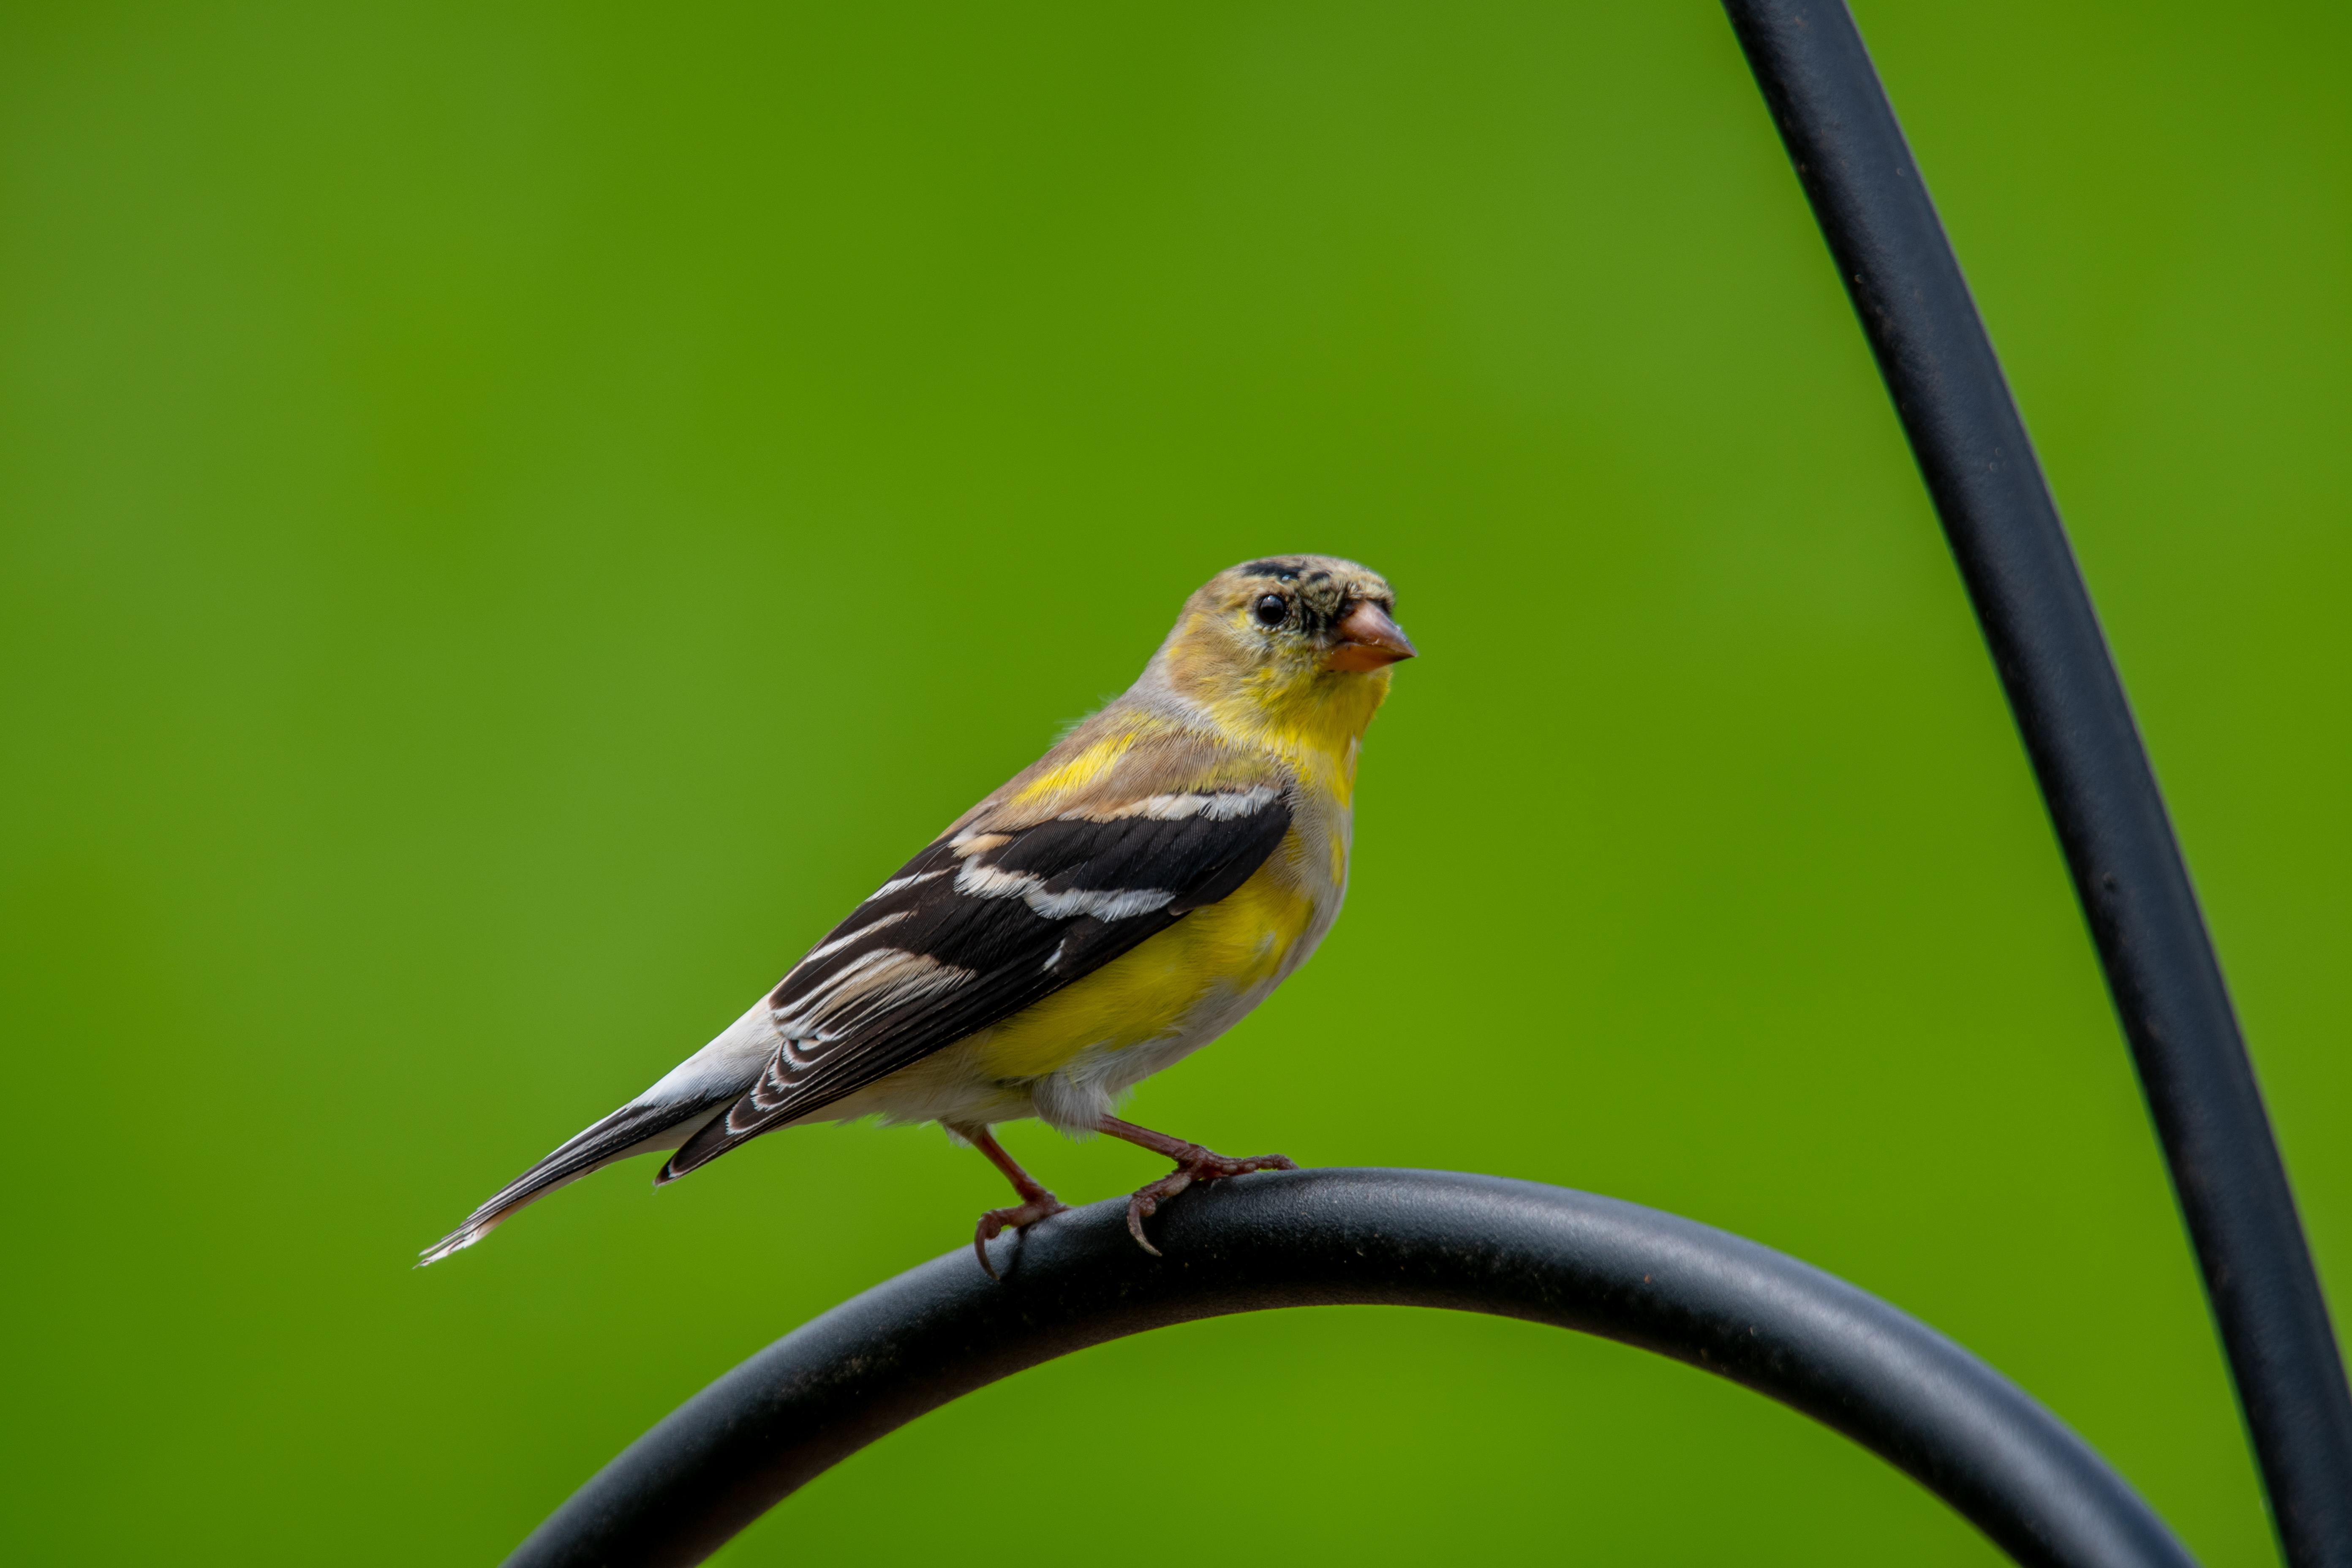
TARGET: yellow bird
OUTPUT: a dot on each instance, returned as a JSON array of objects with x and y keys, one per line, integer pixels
[{"x": 1116, "y": 905}]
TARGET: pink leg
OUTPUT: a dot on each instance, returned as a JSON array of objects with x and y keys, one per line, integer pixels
[
  {"x": 1193, "y": 1163},
  {"x": 1035, "y": 1204}
]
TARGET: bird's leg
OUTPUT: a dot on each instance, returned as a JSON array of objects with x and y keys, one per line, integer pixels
[
  {"x": 1193, "y": 1163},
  {"x": 1035, "y": 1204}
]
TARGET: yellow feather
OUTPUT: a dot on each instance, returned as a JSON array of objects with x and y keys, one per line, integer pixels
[
  {"x": 1237, "y": 943},
  {"x": 1081, "y": 770},
  {"x": 1316, "y": 724}
]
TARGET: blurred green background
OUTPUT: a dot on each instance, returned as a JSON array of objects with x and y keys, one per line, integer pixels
[{"x": 516, "y": 515}]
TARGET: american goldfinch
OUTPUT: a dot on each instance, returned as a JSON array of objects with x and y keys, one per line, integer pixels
[{"x": 1116, "y": 905}]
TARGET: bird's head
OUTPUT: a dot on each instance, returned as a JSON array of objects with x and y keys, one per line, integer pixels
[{"x": 1300, "y": 642}]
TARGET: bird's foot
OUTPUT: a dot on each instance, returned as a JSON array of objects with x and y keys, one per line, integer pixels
[
  {"x": 1193, "y": 1163},
  {"x": 996, "y": 1222}
]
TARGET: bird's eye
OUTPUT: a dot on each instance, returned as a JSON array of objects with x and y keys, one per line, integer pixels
[{"x": 1271, "y": 609}]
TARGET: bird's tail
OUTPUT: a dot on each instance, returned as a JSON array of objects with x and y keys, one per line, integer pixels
[{"x": 638, "y": 1127}]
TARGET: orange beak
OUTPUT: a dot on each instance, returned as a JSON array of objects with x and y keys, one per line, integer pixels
[{"x": 1371, "y": 640}]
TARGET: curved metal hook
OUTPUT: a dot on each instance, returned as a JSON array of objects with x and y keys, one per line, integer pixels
[
  {"x": 1423, "y": 1238},
  {"x": 1981, "y": 472}
]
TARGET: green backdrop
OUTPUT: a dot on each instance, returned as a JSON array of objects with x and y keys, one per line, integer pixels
[{"x": 516, "y": 515}]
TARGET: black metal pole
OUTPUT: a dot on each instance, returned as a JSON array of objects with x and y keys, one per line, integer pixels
[
  {"x": 1425, "y": 1239},
  {"x": 1981, "y": 469}
]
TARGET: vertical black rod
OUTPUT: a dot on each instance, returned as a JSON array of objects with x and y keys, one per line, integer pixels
[{"x": 1981, "y": 469}]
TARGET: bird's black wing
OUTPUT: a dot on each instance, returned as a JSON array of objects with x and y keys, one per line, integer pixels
[{"x": 981, "y": 925}]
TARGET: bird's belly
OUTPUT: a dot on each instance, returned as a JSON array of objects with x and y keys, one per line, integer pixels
[{"x": 1207, "y": 969}]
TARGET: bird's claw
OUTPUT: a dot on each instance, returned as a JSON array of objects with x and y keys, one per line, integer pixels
[
  {"x": 996, "y": 1222},
  {"x": 1194, "y": 1164}
]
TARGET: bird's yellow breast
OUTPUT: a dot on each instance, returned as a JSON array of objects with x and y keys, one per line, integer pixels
[{"x": 1236, "y": 944}]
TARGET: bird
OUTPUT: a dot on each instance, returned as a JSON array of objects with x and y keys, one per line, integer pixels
[{"x": 1113, "y": 908}]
